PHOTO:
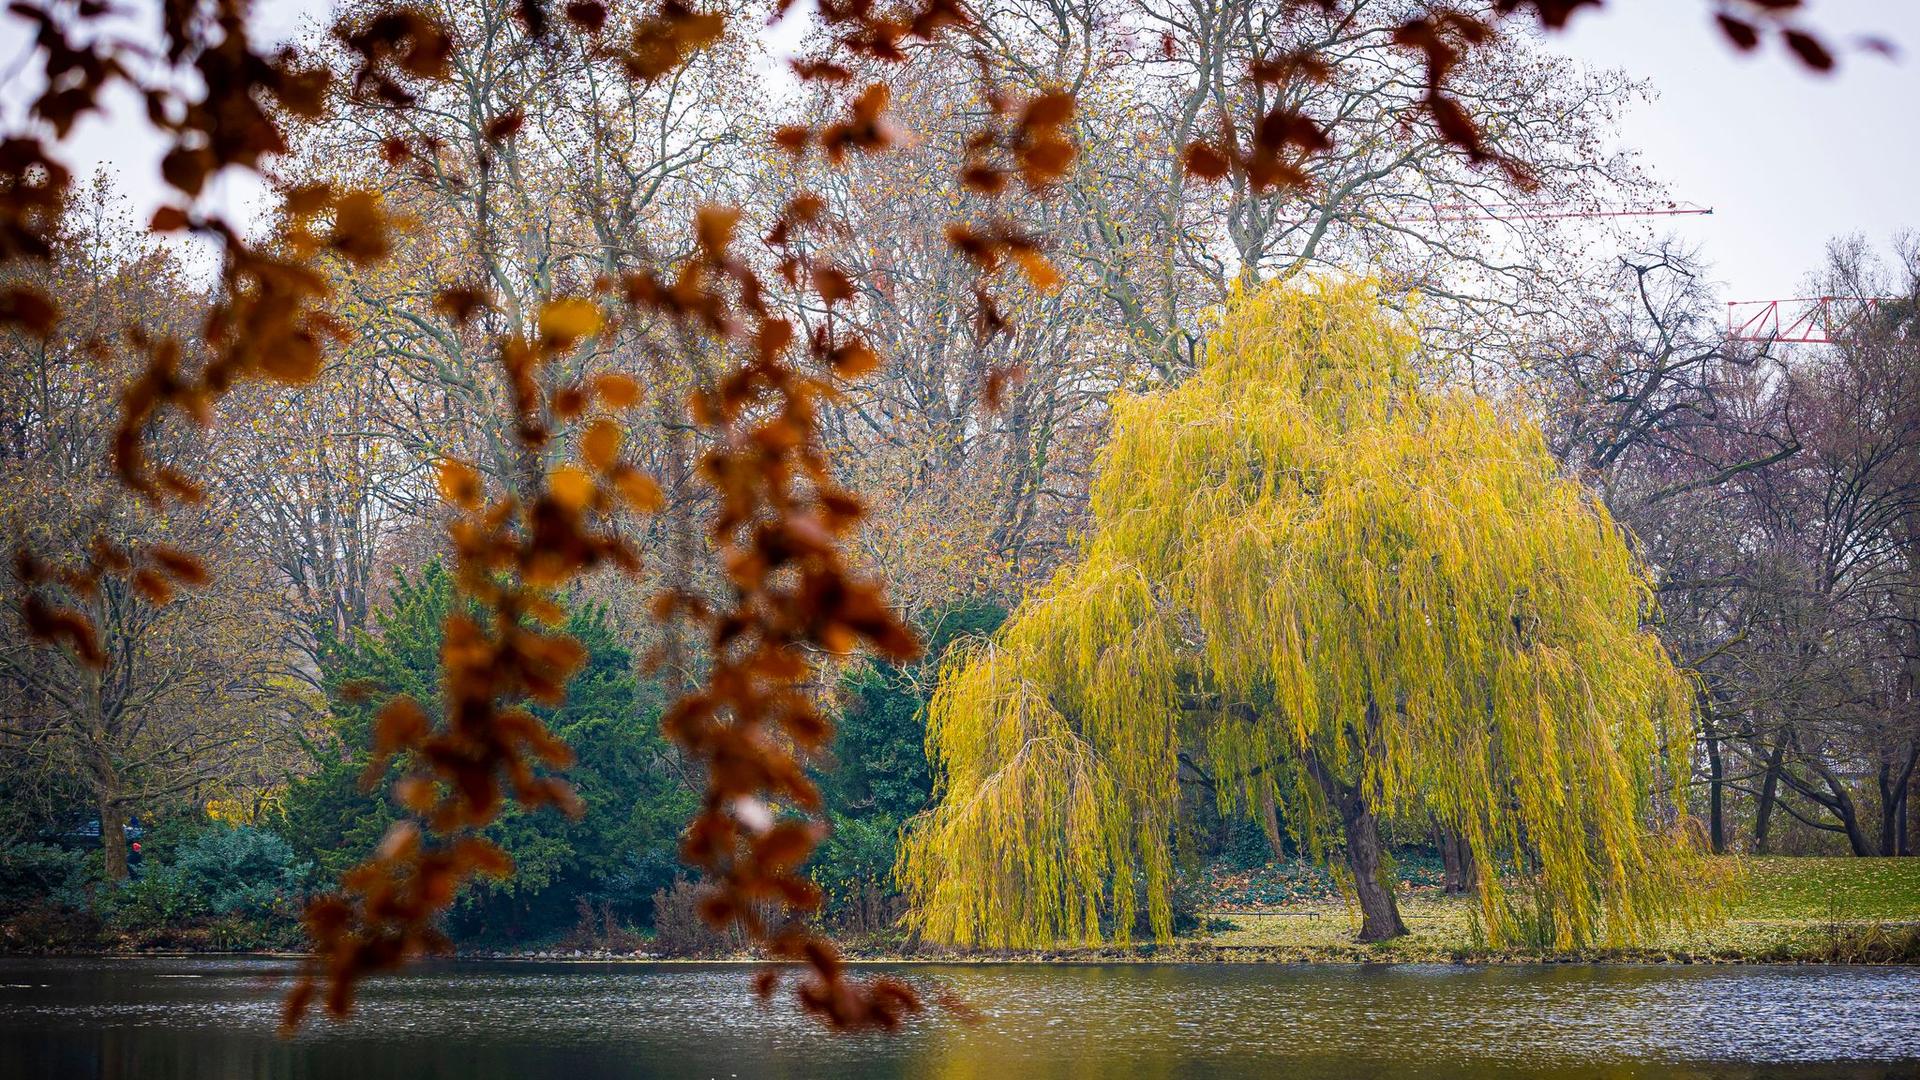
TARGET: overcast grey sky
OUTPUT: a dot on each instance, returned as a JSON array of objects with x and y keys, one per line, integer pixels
[{"x": 1787, "y": 159}]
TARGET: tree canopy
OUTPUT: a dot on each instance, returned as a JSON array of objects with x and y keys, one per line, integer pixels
[{"x": 1376, "y": 598}]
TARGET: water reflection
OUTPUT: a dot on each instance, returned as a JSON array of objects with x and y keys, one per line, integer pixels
[{"x": 214, "y": 1018}]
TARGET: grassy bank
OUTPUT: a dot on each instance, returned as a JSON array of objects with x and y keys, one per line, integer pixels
[{"x": 1780, "y": 909}]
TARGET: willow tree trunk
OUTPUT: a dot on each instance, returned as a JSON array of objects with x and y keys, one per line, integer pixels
[
  {"x": 1366, "y": 855},
  {"x": 1270, "y": 823},
  {"x": 1456, "y": 860}
]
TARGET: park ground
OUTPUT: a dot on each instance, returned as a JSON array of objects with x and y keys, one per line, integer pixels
[
  {"x": 1771, "y": 910},
  {"x": 1776, "y": 910}
]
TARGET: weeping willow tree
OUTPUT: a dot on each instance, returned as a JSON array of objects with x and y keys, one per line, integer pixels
[{"x": 1379, "y": 602}]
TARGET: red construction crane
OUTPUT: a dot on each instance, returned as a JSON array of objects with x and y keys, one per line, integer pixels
[
  {"x": 1808, "y": 320},
  {"x": 1546, "y": 211}
]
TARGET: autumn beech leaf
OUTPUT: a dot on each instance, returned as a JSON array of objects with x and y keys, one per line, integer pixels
[
  {"x": 177, "y": 564},
  {"x": 984, "y": 179},
  {"x": 153, "y": 588},
  {"x": 461, "y": 303},
  {"x": 616, "y": 391},
  {"x": 1040, "y": 272},
  {"x": 865, "y": 129},
  {"x": 28, "y": 309},
  {"x": 832, "y": 284},
  {"x": 416, "y": 793},
  {"x": 820, "y": 71},
  {"x": 600, "y": 445},
  {"x": 663, "y": 42},
  {"x": 179, "y": 486},
  {"x": 505, "y": 126},
  {"x": 793, "y": 139},
  {"x": 588, "y": 15},
  {"x": 713, "y": 228},
  {"x": 569, "y": 319},
  {"x": 571, "y": 487},
  {"x": 458, "y": 483},
  {"x": 1809, "y": 49},
  {"x": 1738, "y": 31},
  {"x": 787, "y": 844},
  {"x": 852, "y": 359},
  {"x": 63, "y": 625},
  {"x": 1203, "y": 162},
  {"x": 169, "y": 219},
  {"x": 360, "y": 228},
  {"x": 639, "y": 491},
  {"x": 1285, "y": 67},
  {"x": 1047, "y": 110},
  {"x": 295, "y": 360},
  {"x": 547, "y": 611}
]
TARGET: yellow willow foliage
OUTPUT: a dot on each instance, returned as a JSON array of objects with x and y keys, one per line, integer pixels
[{"x": 1299, "y": 533}]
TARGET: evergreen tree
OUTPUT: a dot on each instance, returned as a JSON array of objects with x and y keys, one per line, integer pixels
[
  {"x": 879, "y": 777},
  {"x": 621, "y": 851}
]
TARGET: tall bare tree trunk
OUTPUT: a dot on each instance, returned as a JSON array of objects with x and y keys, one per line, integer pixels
[
  {"x": 1893, "y": 797},
  {"x": 106, "y": 784},
  {"x": 1913, "y": 812},
  {"x": 113, "y": 838},
  {"x": 1769, "y": 794},
  {"x": 1716, "y": 792}
]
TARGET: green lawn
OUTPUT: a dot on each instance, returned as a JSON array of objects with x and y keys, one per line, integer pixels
[
  {"x": 1780, "y": 909},
  {"x": 1822, "y": 889}
]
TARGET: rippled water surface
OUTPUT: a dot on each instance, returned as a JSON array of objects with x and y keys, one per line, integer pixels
[{"x": 214, "y": 1018}]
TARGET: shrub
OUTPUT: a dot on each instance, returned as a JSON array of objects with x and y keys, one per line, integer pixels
[
  {"x": 222, "y": 870},
  {"x": 33, "y": 873},
  {"x": 156, "y": 899},
  {"x": 854, "y": 861},
  {"x": 678, "y": 929},
  {"x": 240, "y": 870},
  {"x": 1247, "y": 846},
  {"x": 44, "y": 927},
  {"x": 598, "y": 929}
]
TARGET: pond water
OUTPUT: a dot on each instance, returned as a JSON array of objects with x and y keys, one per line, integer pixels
[{"x": 214, "y": 1018}]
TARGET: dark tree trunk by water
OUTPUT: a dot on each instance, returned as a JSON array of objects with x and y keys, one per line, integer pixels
[
  {"x": 1456, "y": 858},
  {"x": 1894, "y": 784},
  {"x": 113, "y": 839},
  {"x": 1366, "y": 855},
  {"x": 1769, "y": 794},
  {"x": 1379, "y": 913},
  {"x": 1913, "y": 812},
  {"x": 1716, "y": 793}
]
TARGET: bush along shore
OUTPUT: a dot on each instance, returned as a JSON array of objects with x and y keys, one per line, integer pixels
[{"x": 231, "y": 894}]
